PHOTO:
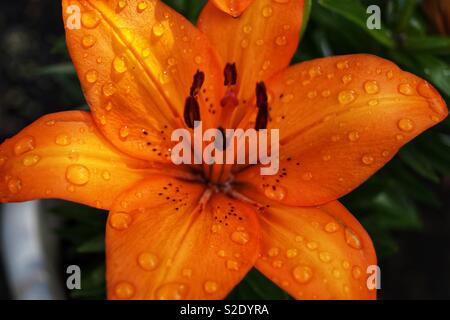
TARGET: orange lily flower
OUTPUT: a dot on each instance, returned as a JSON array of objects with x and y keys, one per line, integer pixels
[{"x": 193, "y": 232}]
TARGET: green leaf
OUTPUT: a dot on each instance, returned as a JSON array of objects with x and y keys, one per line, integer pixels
[
  {"x": 93, "y": 245},
  {"x": 306, "y": 16},
  {"x": 355, "y": 12},
  {"x": 428, "y": 44}
]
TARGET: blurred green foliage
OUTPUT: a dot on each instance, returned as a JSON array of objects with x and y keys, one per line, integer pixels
[{"x": 389, "y": 201}]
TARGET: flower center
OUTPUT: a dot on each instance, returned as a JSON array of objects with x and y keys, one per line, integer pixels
[{"x": 220, "y": 173}]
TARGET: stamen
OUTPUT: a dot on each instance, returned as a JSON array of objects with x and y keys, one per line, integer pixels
[
  {"x": 197, "y": 83},
  {"x": 261, "y": 95},
  {"x": 262, "y": 103},
  {"x": 261, "y": 119},
  {"x": 191, "y": 111},
  {"x": 230, "y": 74},
  {"x": 191, "y": 106}
]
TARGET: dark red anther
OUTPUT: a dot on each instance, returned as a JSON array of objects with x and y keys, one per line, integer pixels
[
  {"x": 261, "y": 119},
  {"x": 197, "y": 83},
  {"x": 261, "y": 95},
  {"x": 191, "y": 111},
  {"x": 230, "y": 74}
]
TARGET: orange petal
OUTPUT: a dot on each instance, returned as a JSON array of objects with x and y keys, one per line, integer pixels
[
  {"x": 165, "y": 240},
  {"x": 262, "y": 41},
  {"x": 232, "y": 7},
  {"x": 64, "y": 156},
  {"x": 341, "y": 119},
  {"x": 316, "y": 253},
  {"x": 136, "y": 61}
]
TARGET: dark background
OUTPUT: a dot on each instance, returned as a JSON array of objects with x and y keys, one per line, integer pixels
[{"x": 412, "y": 235}]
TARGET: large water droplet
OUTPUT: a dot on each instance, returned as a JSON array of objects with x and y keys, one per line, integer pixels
[
  {"x": 120, "y": 220},
  {"x": 119, "y": 64},
  {"x": 24, "y": 145},
  {"x": 142, "y": 5},
  {"x": 88, "y": 41},
  {"x": 291, "y": 253},
  {"x": 78, "y": 174},
  {"x": 331, "y": 227},
  {"x": 232, "y": 265},
  {"x": 158, "y": 30},
  {"x": 352, "y": 239},
  {"x": 172, "y": 291},
  {"x": 30, "y": 160},
  {"x": 91, "y": 76},
  {"x": 302, "y": 274},
  {"x": 148, "y": 261},
  {"x": 124, "y": 132},
  {"x": 371, "y": 87},
  {"x": 346, "y": 97},
  {"x": 406, "y": 89},
  {"x": 406, "y": 125}
]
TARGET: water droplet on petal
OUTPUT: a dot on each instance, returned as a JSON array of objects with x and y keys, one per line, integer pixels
[
  {"x": 291, "y": 253},
  {"x": 331, "y": 227},
  {"x": 30, "y": 160},
  {"x": 371, "y": 87},
  {"x": 406, "y": 89},
  {"x": 232, "y": 265},
  {"x": 158, "y": 30},
  {"x": 302, "y": 274},
  {"x": 172, "y": 291},
  {"x": 277, "y": 264},
  {"x": 124, "y": 290},
  {"x": 406, "y": 125},
  {"x": 14, "y": 185},
  {"x": 240, "y": 237},
  {"x": 88, "y": 41},
  {"x": 91, "y": 76},
  {"x": 77, "y": 174},
  {"x": 367, "y": 159},
  {"x": 352, "y": 239},
  {"x": 120, "y": 220},
  {"x": 142, "y": 5},
  {"x": 62, "y": 140},
  {"x": 281, "y": 41},
  {"x": 273, "y": 252},
  {"x": 108, "y": 89},
  {"x": 148, "y": 261},
  {"x": 106, "y": 175},
  {"x": 210, "y": 286},
  {"x": 346, "y": 97},
  {"x": 312, "y": 245},
  {"x": 124, "y": 132},
  {"x": 247, "y": 29},
  {"x": 325, "y": 256},
  {"x": 24, "y": 145},
  {"x": 3, "y": 161},
  {"x": 267, "y": 11},
  {"x": 356, "y": 272},
  {"x": 353, "y": 136},
  {"x": 275, "y": 192},
  {"x": 90, "y": 20},
  {"x": 119, "y": 64}
]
